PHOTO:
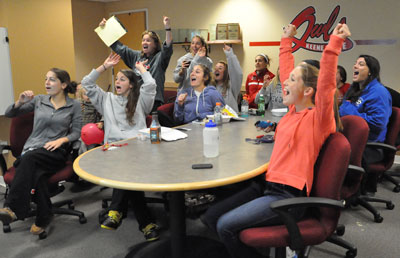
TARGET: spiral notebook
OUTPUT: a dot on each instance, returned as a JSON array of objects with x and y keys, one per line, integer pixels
[{"x": 111, "y": 32}]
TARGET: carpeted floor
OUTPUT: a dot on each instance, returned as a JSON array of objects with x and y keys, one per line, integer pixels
[{"x": 68, "y": 238}]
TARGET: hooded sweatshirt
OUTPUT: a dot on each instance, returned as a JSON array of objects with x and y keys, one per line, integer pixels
[
  {"x": 197, "y": 107},
  {"x": 112, "y": 107}
]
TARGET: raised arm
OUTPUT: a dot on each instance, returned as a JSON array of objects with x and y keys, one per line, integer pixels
[
  {"x": 148, "y": 88},
  {"x": 168, "y": 32},
  {"x": 24, "y": 104},
  {"x": 234, "y": 70}
]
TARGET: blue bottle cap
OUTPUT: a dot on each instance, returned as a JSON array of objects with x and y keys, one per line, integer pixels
[{"x": 211, "y": 124}]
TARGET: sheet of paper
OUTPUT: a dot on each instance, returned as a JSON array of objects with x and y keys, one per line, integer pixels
[
  {"x": 111, "y": 32},
  {"x": 167, "y": 134}
]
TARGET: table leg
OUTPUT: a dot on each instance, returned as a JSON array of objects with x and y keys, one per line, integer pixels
[{"x": 177, "y": 224}]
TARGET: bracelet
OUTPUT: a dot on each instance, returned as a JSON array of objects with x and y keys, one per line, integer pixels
[
  {"x": 104, "y": 67},
  {"x": 169, "y": 29}
]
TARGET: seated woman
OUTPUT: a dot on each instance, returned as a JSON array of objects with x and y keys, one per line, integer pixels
[
  {"x": 124, "y": 115},
  {"x": 341, "y": 84},
  {"x": 272, "y": 92},
  {"x": 369, "y": 99},
  {"x": 255, "y": 80},
  {"x": 299, "y": 137},
  {"x": 199, "y": 100},
  {"x": 57, "y": 121},
  {"x": 228, "y": 78},
  {"x": 197, "y": 55}
]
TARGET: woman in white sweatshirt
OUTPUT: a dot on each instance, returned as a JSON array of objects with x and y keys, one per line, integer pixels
[{"x": 124, "y": 115}]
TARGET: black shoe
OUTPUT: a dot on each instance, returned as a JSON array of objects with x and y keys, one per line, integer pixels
[
  {"x": 7, "y": 215},
  {"x": 150, "y": 232}
]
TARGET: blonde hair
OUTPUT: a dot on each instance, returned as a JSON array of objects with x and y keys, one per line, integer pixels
[{"x": 80, "y": 93}]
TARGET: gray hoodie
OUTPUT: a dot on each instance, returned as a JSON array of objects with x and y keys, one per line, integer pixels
[
  {"x": 272, "y": 96},
  {"x": 184, "y": 80},
  {"x": 235, "y": 81},
  {"x": 112, "y": 107}
]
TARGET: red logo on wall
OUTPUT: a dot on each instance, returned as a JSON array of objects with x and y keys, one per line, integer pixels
[{"x": 315, "y": 30}]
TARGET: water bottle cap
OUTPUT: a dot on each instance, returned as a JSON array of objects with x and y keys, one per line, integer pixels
[{"x": 211, "y": 124}]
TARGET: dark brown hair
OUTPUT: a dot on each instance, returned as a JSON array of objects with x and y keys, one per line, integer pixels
[
  {"x": 133, "y": 95},
  {"x": 156, "y": 39},
  {"x": 63, "y": 76},
  {"x": 206, "y": 73}
]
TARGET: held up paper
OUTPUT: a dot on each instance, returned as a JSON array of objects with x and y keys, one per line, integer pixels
[{"x": 111, "y": 32}]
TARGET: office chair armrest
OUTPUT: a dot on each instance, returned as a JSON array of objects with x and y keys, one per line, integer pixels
[
  {"x": 383, "y": 146},
  {"x": 353, "y": 168},
  {"x": 282, "y": 208},
  {"x": 3, "y": 163}
]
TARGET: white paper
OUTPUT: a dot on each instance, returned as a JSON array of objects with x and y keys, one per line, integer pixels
[
  {"x": 111, "y": 32},
  {"x": 167, "y": 134}
]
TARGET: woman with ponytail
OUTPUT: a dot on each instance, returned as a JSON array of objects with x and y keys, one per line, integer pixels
[{"x": 57, "y": 121}]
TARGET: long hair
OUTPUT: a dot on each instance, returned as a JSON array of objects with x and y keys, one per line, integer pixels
[
  {"x": 309, "y": 75},
  {"x": 276, "y": 79},
  {"x": 63, "y": 76},
  {"x": 133, "y": 95},
  {"x": 225, "y": 78},
  {"x": 342, "y": 73},
  {"x": 357, "y": 88},
  {"x": 203, "y": 43},
  {"x": 156, "y": 39}
]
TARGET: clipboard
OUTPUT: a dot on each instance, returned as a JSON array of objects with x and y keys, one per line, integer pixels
[{"x": 112, "y": 31}]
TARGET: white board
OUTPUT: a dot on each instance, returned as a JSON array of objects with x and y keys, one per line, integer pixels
[{"x": 6, "y": 86}]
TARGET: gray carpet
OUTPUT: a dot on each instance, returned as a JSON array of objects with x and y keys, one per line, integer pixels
[{"x": 68, "y": 238}]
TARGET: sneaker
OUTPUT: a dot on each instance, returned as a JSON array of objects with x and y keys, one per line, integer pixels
[
  {"x": 35, "y": 230},
  {"x": 7, "y": 215},
  {"x": 150, "y": 232},
  {"x": 112, "y": 221}
]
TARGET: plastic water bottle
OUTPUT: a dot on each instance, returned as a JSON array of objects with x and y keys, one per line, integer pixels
[
  {"x": 218, "y": 114},
  {"x": 261, "y": 106},
  {"x": 210, "y": 140},
  {"x": 244, "y": 107},
  {"x": 155, "y": 129}
]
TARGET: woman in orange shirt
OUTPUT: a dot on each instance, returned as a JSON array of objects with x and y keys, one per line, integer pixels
[{"x": 299, "y": 136}]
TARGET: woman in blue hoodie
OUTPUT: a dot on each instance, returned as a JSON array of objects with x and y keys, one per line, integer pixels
[
  {"x": 369, "y": 99},
  {"x": 199, "y": 100}
]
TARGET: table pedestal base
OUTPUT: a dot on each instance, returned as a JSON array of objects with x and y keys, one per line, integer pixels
[{"x": 196, "y": 247}]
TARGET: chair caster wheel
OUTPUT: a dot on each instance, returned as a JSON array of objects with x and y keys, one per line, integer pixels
[
  {"x": 340, "y": 231},
  {"x": 82, "y": 220},
  {"x": 43, "y": 235},
  {"x": 71, "y": 206},
  {"x": 390, "y": 206},
  {"x": 396, "y": 189},
  {"x": 351, "y": 254},
  {"x": 6, "y": 228},
  {"x": 378, "y": 218}
]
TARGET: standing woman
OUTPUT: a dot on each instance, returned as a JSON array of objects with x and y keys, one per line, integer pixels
[
  {"x": 197, "y": 55},
  {"x": 158, "y": 56},
  {"x": 124, "y": 115},
  {"x": 369, "y": 99},
  {"x": 199, "y": 100},
  {"x": 228, "y": 78},
  {"x": 255, "y": 80},
  {"x": 57, "y": 121}
]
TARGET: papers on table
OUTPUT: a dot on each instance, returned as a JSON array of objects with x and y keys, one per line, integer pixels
[
  {"x": 167, "y": 134},
  {"x": 111, "y": 32}
]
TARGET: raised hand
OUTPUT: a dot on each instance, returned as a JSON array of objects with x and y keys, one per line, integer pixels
[
  {"x": 140, "y": 65},
  {"x": 182, "y": 98},
  {"x": 24, "y": 97},
  {"x": 342, "y": 30},
  {"x": 202, "y": 52},
  {"x": 111, "y": 60},
  {"x": 226, "y": 48},
  {"x": 289, "y": 31},
  {"x": 267, "y": 81},
  {"x": 103, "y": 22},
  {"x": 166, "y": 22}
]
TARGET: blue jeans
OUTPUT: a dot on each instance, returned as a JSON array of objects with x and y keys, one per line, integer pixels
[{"x": 254, "y": 213}]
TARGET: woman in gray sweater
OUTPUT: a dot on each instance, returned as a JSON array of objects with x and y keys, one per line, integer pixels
[
  {"x": 228, "y": 78},
  {"x": 57, "y": 121},
  {"x": 124, "y": 115}
]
